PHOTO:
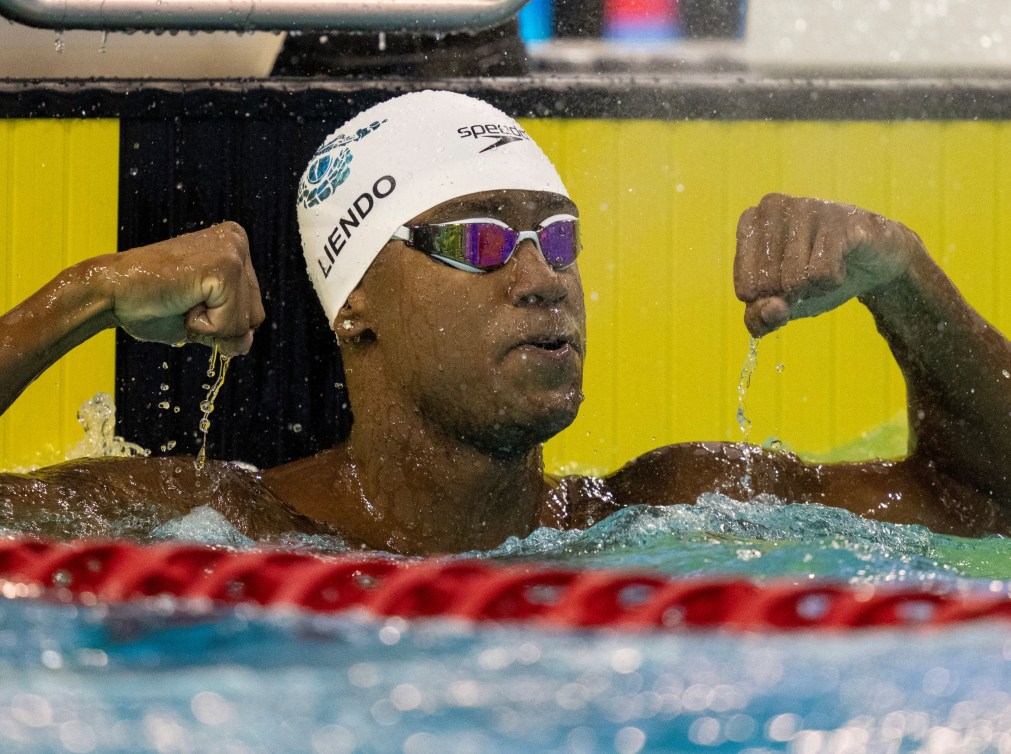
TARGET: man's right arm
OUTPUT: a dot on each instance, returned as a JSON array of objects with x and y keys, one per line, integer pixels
[{"x": 197, "y": 287}]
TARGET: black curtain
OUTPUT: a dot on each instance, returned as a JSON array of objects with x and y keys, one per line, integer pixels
[{"x": 285, "y": 400}]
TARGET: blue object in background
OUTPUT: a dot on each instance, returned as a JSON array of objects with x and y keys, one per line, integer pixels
[{"x": 536, "y": 21}]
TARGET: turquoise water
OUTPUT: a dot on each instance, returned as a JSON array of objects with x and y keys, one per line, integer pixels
[{"x": 174, "y": 677}]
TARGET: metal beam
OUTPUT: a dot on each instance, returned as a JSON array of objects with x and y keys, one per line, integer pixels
[{"x": 261, "y": 15}]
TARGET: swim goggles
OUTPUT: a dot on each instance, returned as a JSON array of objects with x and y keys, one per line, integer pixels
[{"x": 484, "y": 244}]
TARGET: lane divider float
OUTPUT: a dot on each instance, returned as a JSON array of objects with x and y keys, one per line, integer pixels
[{"x": 95, "y": 572}]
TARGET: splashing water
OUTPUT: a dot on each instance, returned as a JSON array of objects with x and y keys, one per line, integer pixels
[
  {"x": 764, "y": 538},
  {"x": 219, "y": 367},
  {"x": 98, "y": 417},
  {"x": 750, "y": 362}
]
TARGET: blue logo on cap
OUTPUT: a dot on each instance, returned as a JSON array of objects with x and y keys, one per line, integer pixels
[
  {"x": 326, "y": 173},
  {"x": 330, "y": 167}
]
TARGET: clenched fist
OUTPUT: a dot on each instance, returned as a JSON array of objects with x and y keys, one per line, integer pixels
[
  {"x": 799, "y": 257},
  {"x": 199, "y": 287}
]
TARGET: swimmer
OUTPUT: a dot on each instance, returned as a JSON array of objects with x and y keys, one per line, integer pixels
[{"x": 444, "y": 254}]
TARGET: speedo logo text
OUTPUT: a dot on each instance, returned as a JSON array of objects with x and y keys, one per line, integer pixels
[{"x": 502, "y": 134}]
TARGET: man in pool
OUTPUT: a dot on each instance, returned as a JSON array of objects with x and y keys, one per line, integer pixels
[{"x": 443, "y": 244}]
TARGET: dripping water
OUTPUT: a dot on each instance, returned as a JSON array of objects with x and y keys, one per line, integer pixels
[
  {"x": 218, "y": 367},
  {"x": 743, "y": 422}
]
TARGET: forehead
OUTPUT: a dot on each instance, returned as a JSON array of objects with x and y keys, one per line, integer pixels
[{"x": 518, "y": 209}]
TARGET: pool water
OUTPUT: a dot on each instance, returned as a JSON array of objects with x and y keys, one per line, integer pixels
[
  {"x": 127, "y": 680},
  {"x": 169, "y": 676}
]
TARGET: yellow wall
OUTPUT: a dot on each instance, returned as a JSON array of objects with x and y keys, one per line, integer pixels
[
  {"x": 660, "y": 202},
  {"x": 58, "y": 205}
]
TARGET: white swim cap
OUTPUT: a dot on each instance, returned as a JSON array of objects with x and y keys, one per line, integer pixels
[{"x": 394, "y": 161}]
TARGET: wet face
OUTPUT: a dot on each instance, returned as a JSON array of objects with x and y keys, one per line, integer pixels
[{"x": 494, "y": 359}]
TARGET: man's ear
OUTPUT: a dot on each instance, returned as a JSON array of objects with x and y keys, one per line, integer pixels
[{"x": 351, "y": 323}]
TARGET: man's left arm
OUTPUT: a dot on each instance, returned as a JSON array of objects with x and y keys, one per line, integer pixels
[{"x": 801, "y": 257}]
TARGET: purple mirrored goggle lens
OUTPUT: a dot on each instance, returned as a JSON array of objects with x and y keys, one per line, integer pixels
[
  {"x": 484, "y": 244},
  {"x": 560, "y": 243}
]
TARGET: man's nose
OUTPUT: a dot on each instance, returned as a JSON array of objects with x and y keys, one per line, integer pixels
[{"x": 535, "y": 282}]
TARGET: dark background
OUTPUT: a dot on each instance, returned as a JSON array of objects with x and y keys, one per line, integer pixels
[{"x": 181, "y": 174}]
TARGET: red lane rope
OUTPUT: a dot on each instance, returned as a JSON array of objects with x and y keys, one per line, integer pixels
[{"x": 108, "y": 572}]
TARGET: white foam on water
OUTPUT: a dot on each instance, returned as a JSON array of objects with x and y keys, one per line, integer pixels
[{"x": 205, "y": 525}]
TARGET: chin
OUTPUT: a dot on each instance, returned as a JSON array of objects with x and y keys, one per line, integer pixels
[{"x": 520, "y": 433}]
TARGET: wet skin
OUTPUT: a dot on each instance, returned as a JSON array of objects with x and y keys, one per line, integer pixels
[
  {"x": 457, "y": 378},
  {"x": 796, "y": 257}
]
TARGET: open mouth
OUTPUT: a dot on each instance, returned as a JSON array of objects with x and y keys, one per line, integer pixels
[
  {"x": 548, "y": 344},
  {"x": 553, "y": 344}
]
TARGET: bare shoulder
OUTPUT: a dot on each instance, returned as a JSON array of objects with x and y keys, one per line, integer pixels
[
  {"x": 108, "y": 496},
  {"x": 906, "y": 491},
  {"x": 669, "y": 475},
  {"x": 680, "y": 473}
]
